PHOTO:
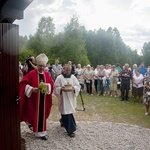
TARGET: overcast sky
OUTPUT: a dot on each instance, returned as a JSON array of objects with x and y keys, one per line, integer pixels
[{"x": 130, "y": 17}]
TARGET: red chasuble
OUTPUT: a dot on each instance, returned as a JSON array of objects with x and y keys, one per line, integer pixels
[{"x": 35, "y": 109}]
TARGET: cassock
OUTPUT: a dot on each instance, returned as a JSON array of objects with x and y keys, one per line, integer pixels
[
  {"x": 67, "y": 100},
  {"x": 35, "y": 107}
]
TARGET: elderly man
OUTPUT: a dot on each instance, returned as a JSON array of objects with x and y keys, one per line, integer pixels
[
  {"x": 72, "y": 67},
  {"x": 126, "y": 76},
  {"x": 36, "y": 89},
  {"x": 66, "y": 88},
  {"x": 56, "y": 69}
]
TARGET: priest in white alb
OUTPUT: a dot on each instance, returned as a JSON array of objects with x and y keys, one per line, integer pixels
[{"x": 67, "y": 88}]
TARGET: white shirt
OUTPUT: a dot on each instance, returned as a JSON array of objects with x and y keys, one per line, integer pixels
[
  {"x": 107, "y": 72},
  {"x": 137, "y": 80},
  {"x": 80, "y": 73},
  {"x": 96, "y": 73},
  {"x": 57, "y": 68}
]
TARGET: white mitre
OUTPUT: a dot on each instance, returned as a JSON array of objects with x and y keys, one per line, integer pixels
[{"x": 42, "y": 59}]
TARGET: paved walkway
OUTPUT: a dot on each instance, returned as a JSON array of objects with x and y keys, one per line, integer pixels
[{"x": 90, "y": 136}]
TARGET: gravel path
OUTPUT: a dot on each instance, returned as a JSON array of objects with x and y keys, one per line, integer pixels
[{"x": 90, "y": 136}]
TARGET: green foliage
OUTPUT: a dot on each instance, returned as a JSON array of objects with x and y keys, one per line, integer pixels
[
  {"x": 23, "y": 40},
  {"x": 73, "y": 45},
  {"x": 35, "y": 43},
  {"x": 46, "y": 27},
  {"x": 42, "y": 40},
  {"x": 23, "y": 55},
  {"x": 43, "y": 88},
  {"x": 107, "y": 47},
  {"x": 146, "y": 53},
  {"x": 80, "y": 46}
]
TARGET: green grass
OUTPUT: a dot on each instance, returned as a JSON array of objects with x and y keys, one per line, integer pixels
[{"x": 107, "y": 109}]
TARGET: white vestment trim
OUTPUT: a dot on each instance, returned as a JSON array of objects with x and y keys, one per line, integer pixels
[
  {"x": 28, "y": 90},
  {"x": 40, "y": 134}
]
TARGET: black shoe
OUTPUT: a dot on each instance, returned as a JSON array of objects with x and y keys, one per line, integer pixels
[
  {"x": 44, "y": 138},
  {"x": 122, "y": 97},
  {"x": 127, "y": 99},
  {"x": 61, "y": 124},
  {"x": 72, "y": 135}
]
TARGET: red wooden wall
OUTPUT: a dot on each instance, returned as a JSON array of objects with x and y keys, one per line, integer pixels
[{"x": 9, "y": 80}]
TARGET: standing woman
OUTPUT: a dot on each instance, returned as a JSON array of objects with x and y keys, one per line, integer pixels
[
  {"x": 146, "y": 92},
  {"x": 79, "y": 73},
  {"x": 113, "y": 81},
  {"x": 100, "y": 76},
  {"x": 137, "y": 89},
  {"x": 95, "y": 78},
  {"x": 106, "y": 79},
  {"x": 88, "y": 76}
]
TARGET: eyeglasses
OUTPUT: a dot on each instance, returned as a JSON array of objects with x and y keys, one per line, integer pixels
[{"x": 41, "y": 66}]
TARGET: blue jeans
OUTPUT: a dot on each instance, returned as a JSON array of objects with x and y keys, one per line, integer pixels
[
  {"x": 107, "y": 85},
  {"x": 100, "y": 87}
]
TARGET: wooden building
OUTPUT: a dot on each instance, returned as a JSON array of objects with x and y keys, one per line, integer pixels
[{"x": 10, "y": 10}]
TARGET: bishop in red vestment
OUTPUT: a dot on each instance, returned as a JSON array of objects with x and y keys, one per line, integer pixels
[{"x": 35, "y": 90}]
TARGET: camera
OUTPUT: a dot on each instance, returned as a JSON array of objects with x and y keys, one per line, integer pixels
[
  {"x": 28, "y": 59},
  {"x": 29, "y": 62}
]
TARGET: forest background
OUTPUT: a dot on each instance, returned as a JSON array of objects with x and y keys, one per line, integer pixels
[{"x": 75, "y": 43}]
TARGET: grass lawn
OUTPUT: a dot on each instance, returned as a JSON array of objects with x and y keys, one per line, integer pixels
[{"x": 107, "y": 109}]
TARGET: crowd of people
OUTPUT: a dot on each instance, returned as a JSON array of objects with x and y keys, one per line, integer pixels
[{"x": 38, "y": 81}]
